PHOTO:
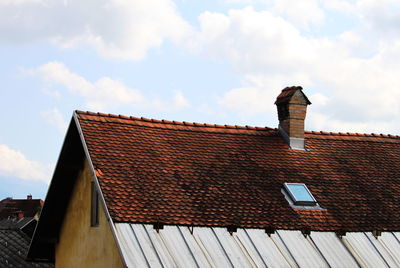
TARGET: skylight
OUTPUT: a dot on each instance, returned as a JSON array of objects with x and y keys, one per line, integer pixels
[{"x": 300, "y": 194}]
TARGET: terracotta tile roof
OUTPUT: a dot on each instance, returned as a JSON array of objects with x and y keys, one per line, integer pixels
[
  {"x": 10, "y": 207},
  {"x": 209, "y": 175}
]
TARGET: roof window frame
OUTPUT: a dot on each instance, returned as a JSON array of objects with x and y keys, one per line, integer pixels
[{"x": 293, "y": 198}]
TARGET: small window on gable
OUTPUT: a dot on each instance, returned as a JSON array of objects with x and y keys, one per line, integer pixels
[
  {"x": 94, "y": 213},
  {"x": 299, "y": 194}
]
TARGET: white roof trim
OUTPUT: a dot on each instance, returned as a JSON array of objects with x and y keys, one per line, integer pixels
[{"x": 98, "y": 188}]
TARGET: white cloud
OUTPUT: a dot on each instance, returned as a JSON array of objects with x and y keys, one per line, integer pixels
[
  {"x": 55, "y": 118},
  {"x": 354, "y": 72},
  {"x": 18, "y": 2},
  {"x": 257, "y": 96},
  {"x": 376, "y": 18},
  {"x": 249, "y": 100},
  {"x": 178, "y": 102},
  {"x": 48, "y": 91},
  {"x": 319, "y": 121},
  {"x": 255, "y": 41},
  {"x": 339, "y": 5},
  {"x": 15, "y": 164},
  {"x": 270, "y": 52},
  {"x": 105, "y": 93},
  {"x": 117, "y": 29},
  {"x": 99, "y": 95},
  {"x": 302, "y": 13},
  {"x": 319, "y": 98},
  {"x": 380, "y": 17},
  {"x": 242, "y": 1}
]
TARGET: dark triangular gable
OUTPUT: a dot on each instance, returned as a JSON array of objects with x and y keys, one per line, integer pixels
[{"x": 70, "y": 162}]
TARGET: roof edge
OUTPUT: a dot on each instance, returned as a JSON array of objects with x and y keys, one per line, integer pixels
[
  {"x": 103, "y": 201},
  {"x": 174, "y": 123},
  {"x": 265, "y": 227},
  {"x": 228, "y": 127}
]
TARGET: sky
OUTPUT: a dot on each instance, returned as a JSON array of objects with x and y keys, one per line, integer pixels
[{"x": 221, "y": 61}]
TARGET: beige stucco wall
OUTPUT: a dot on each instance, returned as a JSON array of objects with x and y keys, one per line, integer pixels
[{"x": 81, "y": 245}]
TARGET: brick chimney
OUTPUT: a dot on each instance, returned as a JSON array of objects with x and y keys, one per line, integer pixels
[
  {"x": 292, "y": 107},
  {"x": 20, "y": 214}
]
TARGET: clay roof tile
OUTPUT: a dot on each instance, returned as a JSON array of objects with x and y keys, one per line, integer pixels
[{"x": 213, "y": 175}]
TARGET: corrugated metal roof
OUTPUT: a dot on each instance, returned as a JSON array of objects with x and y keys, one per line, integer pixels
[{"x": 179, "y": 246}]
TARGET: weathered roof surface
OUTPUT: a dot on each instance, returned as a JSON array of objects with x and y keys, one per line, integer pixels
[
  {"x": 179, "y": 246},
  {"x": 208, "y": 175},
  {"x": 14, "y": 223},
  {"x": 26, "y": 224},
  {"x": 10, "y": 207},
  {"x": 13, "y": 248}
]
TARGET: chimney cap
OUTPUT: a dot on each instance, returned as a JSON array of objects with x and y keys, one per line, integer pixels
[
  {"x": 20, "y": 214},
  {"x": 287, "y": 93}
]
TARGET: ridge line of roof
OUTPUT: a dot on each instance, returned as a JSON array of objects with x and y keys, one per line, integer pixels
[
  {"x": 373, "y": 135},
  {"x": 176, "y": 123},
  {"x": 195, "y": 124}
]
